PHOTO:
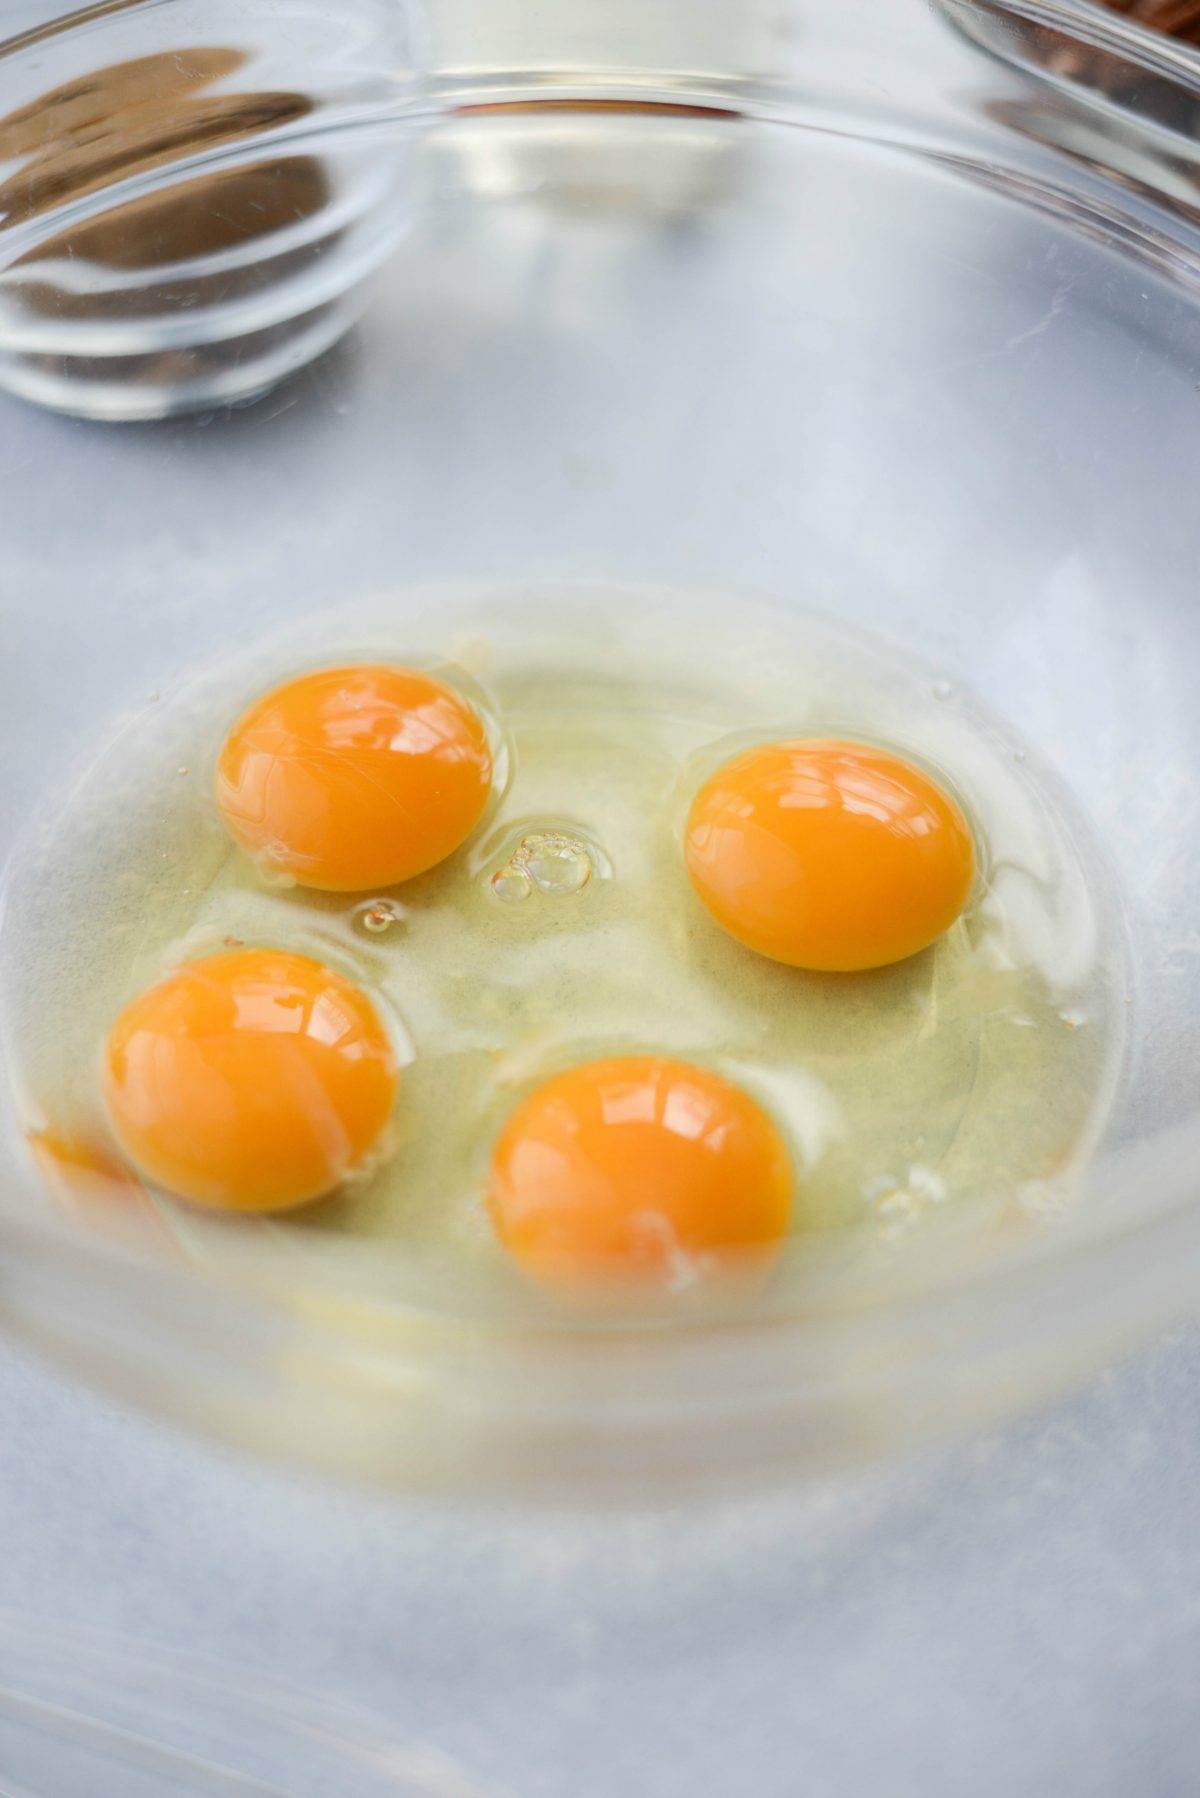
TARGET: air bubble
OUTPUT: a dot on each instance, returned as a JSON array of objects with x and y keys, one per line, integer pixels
[
  {"x": 378, "y": 916},
  {"x": 554, "y": 863},
  {"x": 511, "y": 885},
  {"x": 943, "y": 690},
  {"x": 898, "y": 1205}
]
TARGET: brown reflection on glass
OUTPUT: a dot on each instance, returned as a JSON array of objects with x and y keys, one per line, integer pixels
[
  {"x": 1118, "y": 77},
  {"x": 1178, "y": 18},
  {"x": 213, "y": 213},
  {"x": 127, "y": 120},
  {"x": 86, "y": 106},
  {"x": 1150, "y": 94},
  {"x": 135, "y": 118},
  {"x": 675, "y": 107}
]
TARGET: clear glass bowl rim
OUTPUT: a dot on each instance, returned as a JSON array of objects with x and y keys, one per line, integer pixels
[{"x": 1101, "y": 28}]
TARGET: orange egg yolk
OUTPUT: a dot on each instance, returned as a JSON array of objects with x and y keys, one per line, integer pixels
[
  {"x": 638, "y": 1171},
  {"x": 251, "y": 1081},
  {"x": 355, "y": 778},
  {"x": 829, "y": 855}
]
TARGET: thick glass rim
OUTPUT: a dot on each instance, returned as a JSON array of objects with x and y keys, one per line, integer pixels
[{"x": 1100, "y": 28}]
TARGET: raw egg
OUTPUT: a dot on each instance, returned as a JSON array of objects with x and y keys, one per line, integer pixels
[
  {"x": 352, "y": 778},
  {"x": 829, "y": 855},
  {"x": 904, "y": 1096},
  {"x": 638, "y": 1171},
  {"x": 250, "y": 1081}
]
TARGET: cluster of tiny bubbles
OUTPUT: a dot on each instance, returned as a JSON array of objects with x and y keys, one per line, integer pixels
[
  {"x": 378, "y": 916},
  {"x": 552, "y": 862},
  {"x": 898, "y": 1204}
]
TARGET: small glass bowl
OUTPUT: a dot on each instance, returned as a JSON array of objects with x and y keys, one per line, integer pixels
[{"x": 188, "y": 211}]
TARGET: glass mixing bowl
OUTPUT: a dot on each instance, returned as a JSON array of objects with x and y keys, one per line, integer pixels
[{"x": 821, "y": 304}]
